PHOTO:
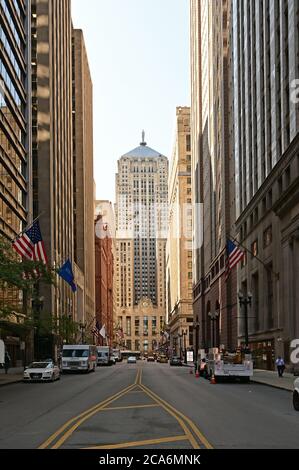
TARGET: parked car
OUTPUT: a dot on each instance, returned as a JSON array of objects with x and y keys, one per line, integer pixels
[
  {"x": 150, "y": 359},
  {"x": 175, "y": 361},
  {"x": 162, "y": 359},
  {"x": 41, "y": 372},
  {"x": 296, "y": 395},
  {"x": 132, "y": 360}
]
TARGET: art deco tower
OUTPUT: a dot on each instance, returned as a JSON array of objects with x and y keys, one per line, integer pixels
[{"x": 141, "y": 232}]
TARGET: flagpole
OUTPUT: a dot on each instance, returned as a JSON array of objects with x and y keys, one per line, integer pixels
[
  {"x": 256, "y": 257},
  {"x": 28, "y": 226}
]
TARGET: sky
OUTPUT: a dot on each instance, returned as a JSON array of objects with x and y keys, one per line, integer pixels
[{"x": 138, "y": 53}]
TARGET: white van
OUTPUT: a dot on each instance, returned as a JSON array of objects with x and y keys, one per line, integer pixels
[
  {"x": 79, "y": 357},
  {"x": 104, "y": 356}
]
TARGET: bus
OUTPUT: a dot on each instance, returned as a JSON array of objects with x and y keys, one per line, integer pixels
[{"x": 79, "y": 358}]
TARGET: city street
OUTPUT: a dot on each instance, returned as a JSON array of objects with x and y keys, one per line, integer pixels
[{"x": 147, "y": 405}]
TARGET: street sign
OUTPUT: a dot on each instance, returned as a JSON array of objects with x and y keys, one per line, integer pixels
[
  {"x": 2, "y": 351},
  {"x": 190, "y": 356}
]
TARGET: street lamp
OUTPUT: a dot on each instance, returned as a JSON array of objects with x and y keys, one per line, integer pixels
[
  {"x": 180, "y": 335},
  {"x": 184, "y": 333},
  {"x": 37, "y": 307},
  {"x": 196, "y": 326},
  {"x": 214, "y": 317},
  {"x": 245, "y": 300},
  {"x": 82, "y": 327}
]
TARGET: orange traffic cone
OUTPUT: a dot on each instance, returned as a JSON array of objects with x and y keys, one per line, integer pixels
[{"x": 213, "y": 380}]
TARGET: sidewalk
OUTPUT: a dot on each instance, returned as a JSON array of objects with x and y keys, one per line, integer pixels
[
  {"x": 270, "y": 378},
  {"x": 14, "y": 375}
]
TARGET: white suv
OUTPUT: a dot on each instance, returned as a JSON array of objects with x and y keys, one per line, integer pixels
[{"x": 296, "y": 395}]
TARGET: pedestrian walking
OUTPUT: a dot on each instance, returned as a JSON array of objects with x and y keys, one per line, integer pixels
[
  {"x": 6, "y": 362},
  {"x": 280, "y": 366}
]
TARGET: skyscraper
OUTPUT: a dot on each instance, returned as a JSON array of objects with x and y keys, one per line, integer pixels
[
  {"x": 215, "y": 309},
  {"x": 265, "y": 57},
  {"x": 179, "y": 241},
  {"x": 15, "y": 146},
  {"x": 53, "y": 187},
  {"x": 84, "y": 249},
  {"x": 141, "y": 232}
]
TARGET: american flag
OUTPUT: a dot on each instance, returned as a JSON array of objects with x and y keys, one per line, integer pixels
[
  {"x": 234, "y": 256},
  {"x": 96, "y": 330},
  {"x": 30, "y": 244}
]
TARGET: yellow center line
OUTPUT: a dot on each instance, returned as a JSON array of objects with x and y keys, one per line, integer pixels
[
  {"x": 141, "y": 443},
  {"x": 174, "y": 413},
  {"x": 171, "y": 409},
  {"x": 129, "y": 407},
  {"x": 94, "y": 408}
]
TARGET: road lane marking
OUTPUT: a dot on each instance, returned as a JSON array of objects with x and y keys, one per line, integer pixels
[
  {"x": 141, "y": 443},
  {"x": 65, "y": 432},
  {"x": 130, "y": 407},
  {"x": 72, "y": 420},
  {"x": 174, "y": 413},
  {"x": 75, "y": 426},
  {"x": 195, "y": 429},
  {"x": 137, "y": 380}
]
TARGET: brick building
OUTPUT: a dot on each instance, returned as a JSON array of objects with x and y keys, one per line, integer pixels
[{"x": 104, "y": 260}]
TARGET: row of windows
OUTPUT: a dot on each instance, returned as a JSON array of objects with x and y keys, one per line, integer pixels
[
  {"x": 8, "y": 82},
  {"x": 11, "y": 22},
  {"x": 282, "y": 184},
  {"x": 10, "y": 52}
]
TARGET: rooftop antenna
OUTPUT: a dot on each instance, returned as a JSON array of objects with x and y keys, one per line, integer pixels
[{"x": 143, "y": 139}]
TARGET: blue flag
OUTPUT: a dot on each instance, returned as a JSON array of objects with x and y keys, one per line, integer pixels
[{"x": 66, "y": 272}]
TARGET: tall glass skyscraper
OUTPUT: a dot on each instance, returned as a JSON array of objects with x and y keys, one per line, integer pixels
[{"x": 15, "y": 154}]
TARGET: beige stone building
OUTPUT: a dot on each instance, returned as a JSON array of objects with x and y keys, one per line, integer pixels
[
  {"x": 179, "y": 241},
  {"x": 215, "y": 300},
  {"x": 63, "y": 165},
  {"x": 84, "y": 242},
  {"x": 53, "y": 188},
  {"x": 140, "y": 262}
]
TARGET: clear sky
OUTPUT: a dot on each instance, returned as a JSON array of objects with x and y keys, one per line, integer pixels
[{"x": 139, "y": 59}]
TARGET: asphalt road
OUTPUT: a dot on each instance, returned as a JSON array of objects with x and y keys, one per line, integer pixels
[{"x": 145, "y": 406}]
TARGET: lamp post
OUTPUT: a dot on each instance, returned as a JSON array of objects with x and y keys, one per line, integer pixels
[
  {"x": 196, "y": 325},
  {"x": 184, "y": 333},
  {"x": 244, "y": 301},
  {"x": 82, "y": 327},
  {"x": 37, "y": 306},
  {"x": 180, "y": 335},
  {"x": 214, "y": 317}
]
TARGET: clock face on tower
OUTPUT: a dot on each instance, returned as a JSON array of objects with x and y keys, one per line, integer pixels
[{"x": 145, "y": 304}]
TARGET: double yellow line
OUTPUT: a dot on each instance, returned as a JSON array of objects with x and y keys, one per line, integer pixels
[{"x": 191, "y": 432}]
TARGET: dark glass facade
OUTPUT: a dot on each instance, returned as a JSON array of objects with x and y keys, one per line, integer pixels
[{"x": 14, "y": 141}]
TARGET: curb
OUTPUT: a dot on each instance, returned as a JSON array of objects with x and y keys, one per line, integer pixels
[
  {"x": 11, "y": 383},
  {"x": 279, "y": 387}
]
